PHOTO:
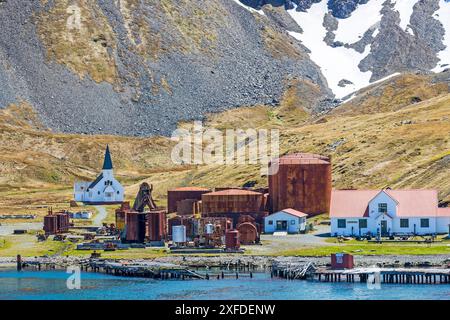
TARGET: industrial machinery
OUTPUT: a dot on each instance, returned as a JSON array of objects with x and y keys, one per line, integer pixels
[{"x": 138, "y": 225}]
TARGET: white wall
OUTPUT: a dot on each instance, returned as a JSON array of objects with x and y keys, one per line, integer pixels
[
  {"x": 373, "y": 225},
  {"x": 442, "y": 224},
  {"x": 294, "y": 224},
  {"x": 97, "y": 193}
]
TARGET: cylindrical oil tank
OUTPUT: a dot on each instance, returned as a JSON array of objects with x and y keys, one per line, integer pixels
[
  {"x": 183, "y": 193},
  {"x": 300, "y": 181},
  {"x": 179, "y": 234},
  {"x": 248, "y": 233},
  {"x": 135, "y": 226},
  {"x": 232, "y": 240},
  {"x": 120, "y": 219},
  {"x": 209, "y": 229},
  {"x": 232, "y": 201},
  {"x": 51, "y": 224},
  {"x": 156, "y": 225}
]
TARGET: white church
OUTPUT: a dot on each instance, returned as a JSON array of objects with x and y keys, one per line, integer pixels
[{"x": 104, "y": 190}]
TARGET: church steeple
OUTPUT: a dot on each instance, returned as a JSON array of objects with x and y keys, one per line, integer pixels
[{"x": 107, "y": 163}]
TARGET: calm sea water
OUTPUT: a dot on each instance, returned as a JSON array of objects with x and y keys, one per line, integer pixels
[{"x": 51, "y": 285}]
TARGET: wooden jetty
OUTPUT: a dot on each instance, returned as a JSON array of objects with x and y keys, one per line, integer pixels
[
  {"x": 307, "y": 270},
  {"x": 293, "y": 271},
  {"x": 144, "y": 270},
  {"x": 386, "y": 275}
]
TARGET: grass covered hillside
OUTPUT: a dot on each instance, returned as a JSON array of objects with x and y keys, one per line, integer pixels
[{"x": 406, "y": 147}]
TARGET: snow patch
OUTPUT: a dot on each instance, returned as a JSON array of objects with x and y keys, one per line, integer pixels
[
  {"x": 336, "y": 63},
  {"x": 249, "y": 8},
  {"x": 352, "y": 29},
  {"x": 443, "y": 15},
  {"x": 406, "y": 9}
]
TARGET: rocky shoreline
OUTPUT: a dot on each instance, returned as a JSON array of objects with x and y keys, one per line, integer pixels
[{"x": 259, "y": 261}]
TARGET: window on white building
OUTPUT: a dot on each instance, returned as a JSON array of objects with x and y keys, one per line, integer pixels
[
  {"x": 270, "y": 222},
  {"x": 424, "y": 223},
  {"x": 362, "y": 223},
  {"x": 342, "y": 223},
  {"x": 404, "y": 223},
  {"x": 382, "y": 208}
]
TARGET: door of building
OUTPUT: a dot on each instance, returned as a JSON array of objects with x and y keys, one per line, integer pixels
[
  {"x": 384, "y": 227},
  {"x": 281, "y": 225}
]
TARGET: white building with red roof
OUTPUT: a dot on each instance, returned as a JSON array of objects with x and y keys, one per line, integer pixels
[
  {"x": 389, "y": 212},
  {"x": 286, "y": 220}
]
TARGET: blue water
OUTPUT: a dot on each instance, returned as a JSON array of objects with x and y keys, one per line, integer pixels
[{"x": 51, "y": 285}]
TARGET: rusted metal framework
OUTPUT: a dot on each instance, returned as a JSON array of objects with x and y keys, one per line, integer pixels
[
  {"x": 302, "y": 182},
  {"x": 138, "y": 225}
]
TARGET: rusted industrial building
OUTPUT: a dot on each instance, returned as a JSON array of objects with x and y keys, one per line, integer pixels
[
  {"x": 300, "y": 181},
  {"x": 174, "y": 196},
  {"x": 55, "y": 223},
  {"x": 138, "y": 225},
  {"x": 233, "y": 203}
]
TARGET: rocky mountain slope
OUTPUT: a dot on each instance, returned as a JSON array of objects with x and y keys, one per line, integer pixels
[
  {"x": 137, "y": 67},
  {"x": 357, "y": 42}
]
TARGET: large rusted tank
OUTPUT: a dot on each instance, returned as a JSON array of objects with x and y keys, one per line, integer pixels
[
  {"x": 55, "y": 223},
  {"x": 232, "y": 240},
  {"x": 302, "y": 182},
  {"x": 232, "y": 201},
  {"x": 183, "y": 193},
  {"x": 156, "y": 225},
  {"x": 50, "y": 224},
  {"x": 135, "y": 226},
  {"x": 248, "y": 233}
]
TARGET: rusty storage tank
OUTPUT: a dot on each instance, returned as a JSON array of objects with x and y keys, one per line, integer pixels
[
  {"x": 135, "y": 227},
  {"x": 183, "y": 193},
  {"x": 120, "y": 215},
  {"x": 232, "y": 240},
  {"x": 156, "y": 227},
  {"x": 188, "y": 207},
  {"x": 248, "y": 233},
  {"x": 232, "y": 201},
  {"x": 63, "y": 221},
  {"x": 50, "y": 224},
  {"x": 302, "y": 182}
]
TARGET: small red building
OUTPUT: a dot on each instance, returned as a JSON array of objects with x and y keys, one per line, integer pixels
[{"x": 342, "y": 261}]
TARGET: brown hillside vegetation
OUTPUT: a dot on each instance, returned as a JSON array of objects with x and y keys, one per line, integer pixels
[{"x": 407, "y": 148}]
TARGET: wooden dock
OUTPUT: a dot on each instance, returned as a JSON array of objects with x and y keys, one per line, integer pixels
[{"x": 386, "y": 275}]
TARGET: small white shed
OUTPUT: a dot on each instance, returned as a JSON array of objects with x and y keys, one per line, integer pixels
[{"x": 287, "y": 220}]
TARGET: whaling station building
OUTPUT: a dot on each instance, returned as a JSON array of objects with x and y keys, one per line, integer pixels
[
  {"x": 301, "y": 187},
  {"x": 387, "y": 212},
  {"x": 103, "y": 190}
]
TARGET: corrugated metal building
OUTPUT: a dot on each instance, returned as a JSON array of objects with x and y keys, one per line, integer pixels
[
  {"x": 184, "y": 193},
  {"x": 301, "y": 181}
]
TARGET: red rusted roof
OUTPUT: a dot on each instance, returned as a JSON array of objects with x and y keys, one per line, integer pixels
[
  {"x": 443, "y": 212},
  {"x": 190, "y": 189},
  {"x": 230, "y": 192},
  {"x": 410, "y": 203},
  {"x": 303, "y": 158},
  {"x": 294, "y": 212}
]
